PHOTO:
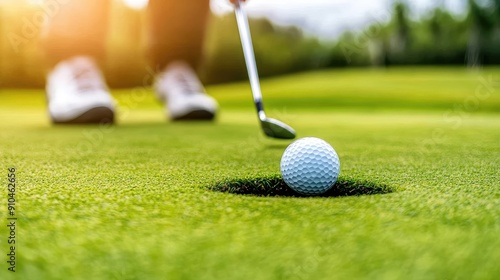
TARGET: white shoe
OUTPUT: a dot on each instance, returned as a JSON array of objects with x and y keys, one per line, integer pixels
[
  {"x": 77, "y": 93},
  {"x": 184, "y": 94}
]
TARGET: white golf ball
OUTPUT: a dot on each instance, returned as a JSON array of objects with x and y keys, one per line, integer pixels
[{"x": 310, "y": 166}]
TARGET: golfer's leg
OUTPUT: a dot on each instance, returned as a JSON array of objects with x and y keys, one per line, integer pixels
[
  {"x": 78, "y": 28},
  {"x": 74, "y": 42},
  {"x": 177, "y": 31}
]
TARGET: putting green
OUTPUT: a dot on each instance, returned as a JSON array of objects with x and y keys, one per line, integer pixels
[{"x": 419, "y": 199}]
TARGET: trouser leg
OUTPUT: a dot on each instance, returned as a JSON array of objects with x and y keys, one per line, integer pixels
[{"x": 177, "y": 30}]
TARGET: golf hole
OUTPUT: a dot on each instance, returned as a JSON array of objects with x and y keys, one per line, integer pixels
[{"x": 275, "y": 186}]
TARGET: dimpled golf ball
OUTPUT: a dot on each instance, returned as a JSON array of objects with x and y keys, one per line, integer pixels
[{"x": 310, "y": 166}]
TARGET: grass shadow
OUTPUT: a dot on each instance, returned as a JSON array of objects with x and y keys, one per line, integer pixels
[{"x": 275, "y": 186}]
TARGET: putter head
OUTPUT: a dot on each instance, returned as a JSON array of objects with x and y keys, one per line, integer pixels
[{"x": 276, "y": 129}]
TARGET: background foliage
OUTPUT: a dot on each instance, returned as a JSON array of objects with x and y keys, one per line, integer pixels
[{"x": 437, "y": 38}]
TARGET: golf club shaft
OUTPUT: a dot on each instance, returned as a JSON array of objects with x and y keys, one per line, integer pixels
[{"x": 248, "y": 52}]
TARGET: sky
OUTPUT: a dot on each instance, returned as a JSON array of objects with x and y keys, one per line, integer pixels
[{"x": 327, "y": 18}]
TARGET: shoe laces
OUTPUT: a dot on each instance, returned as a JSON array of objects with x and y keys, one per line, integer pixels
[
  {"x": 179, "y": 77},
  {"x": 87, "y": 77},
  {"x": 188, "y": 85}
]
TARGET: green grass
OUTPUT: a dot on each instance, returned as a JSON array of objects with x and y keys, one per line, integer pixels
[{"x": 419, "y": 194}]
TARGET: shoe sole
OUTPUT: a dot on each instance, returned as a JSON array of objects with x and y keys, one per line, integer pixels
[
  {"x": 96, "y": 115},
  {"x": 196, "y": 115}
]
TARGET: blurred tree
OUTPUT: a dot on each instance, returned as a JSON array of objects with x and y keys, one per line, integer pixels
[
  {"x": 223, "y": 55},
  {"x": 22, "y": 65},
  {"x": 14, "y": 70},
  {"x": 497, "y": 9},
  {"x": 278, "y": 50},
  {"x": 438, "y": 38},
  {"x": 447, "y": 41},
  {"x": 481, "y": 22},
  {"x": 436, "y": 27},
  {"x": 2, "y": 47},
  {"x": 401, "y": 39}
]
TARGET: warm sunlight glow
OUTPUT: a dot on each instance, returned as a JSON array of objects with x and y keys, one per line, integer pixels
[{"x": 136, "y": 4}]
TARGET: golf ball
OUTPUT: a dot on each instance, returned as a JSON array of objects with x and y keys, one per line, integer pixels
[{"x": 310, "y": 166}]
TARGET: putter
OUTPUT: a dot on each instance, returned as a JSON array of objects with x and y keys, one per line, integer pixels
[{"x": 271, "y": 127}]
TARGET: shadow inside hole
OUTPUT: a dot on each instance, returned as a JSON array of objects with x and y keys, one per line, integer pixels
[{"x": 275, "y": 186}]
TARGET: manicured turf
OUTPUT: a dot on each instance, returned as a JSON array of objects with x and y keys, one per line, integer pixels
[{"x": 419, "y": 196}]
